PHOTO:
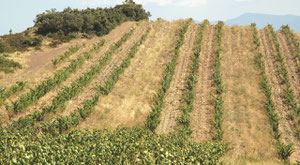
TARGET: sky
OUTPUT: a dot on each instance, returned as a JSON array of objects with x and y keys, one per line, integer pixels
[{"x": 18, "y": 15}]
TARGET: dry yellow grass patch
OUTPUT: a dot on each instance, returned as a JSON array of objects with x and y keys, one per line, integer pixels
[
  {"x": 130, "y": 101},
  {"x": 246, "y": 126},
  {"x": 46, "y": 68}
]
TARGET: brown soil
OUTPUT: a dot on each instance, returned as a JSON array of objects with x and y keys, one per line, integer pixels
[
  {"x": 272, "y": 70},
  {"x": 130, "y": 101},
  {"x": 202, "y": 115},
  {"x": 173, "y": 100},
  {"x": 291, "y": 63},
  {"x": 110, "y": 39}
]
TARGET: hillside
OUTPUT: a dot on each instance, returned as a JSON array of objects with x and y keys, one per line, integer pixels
[
  {"x": 157, "y": 92},
  {"x": 263, "y": 20}
]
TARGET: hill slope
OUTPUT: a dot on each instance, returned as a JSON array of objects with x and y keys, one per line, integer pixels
[{"x": 198, "y": 81}]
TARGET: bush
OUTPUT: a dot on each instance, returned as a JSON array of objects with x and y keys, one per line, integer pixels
[
  {"x": 8, "y": 66},
  {"x": 97, "y": 21},
  {"x": 2, "y": 47}
]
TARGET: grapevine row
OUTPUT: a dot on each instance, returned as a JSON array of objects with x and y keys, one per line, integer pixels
[
  {"x": 5, "y": 92},
  {"x": 189, "y": 94},
  {"x": 284, "y": 151},
  {"x": 47, "y": 85},
  {"x": 288, "y": 93},
  {"x": 153, "y": 118},
  {"x": 287, "y": 31},
  {"x": 76, "y": 87},
  {"x": 69, "y": 92},
  {"x": 219, "y": 88},
  {"x": 67, "y": 54},
  {"x": 64, "y": 123}
]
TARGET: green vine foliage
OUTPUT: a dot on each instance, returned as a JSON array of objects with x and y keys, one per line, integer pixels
[
  {"x": 65, "y": 123},
  {"x": 5, "y": 92},
  {"x": 287, "y": 31},
  {"x": 121, "y": 146},
  {"x": 47, "y": 85},
  {"x": 288, "y": 93},
  {"x": 153, "y": 118},
  {"x": 283, "y": 151},
  {"x": 68, "y": 93},
  {"x": 219, "y": 88},
  {"x": 54, "y": 143},
  {"x": 76, "y": 87},
  {"x": 67, "y": 54},
  {"x": 189, "y": 94}
]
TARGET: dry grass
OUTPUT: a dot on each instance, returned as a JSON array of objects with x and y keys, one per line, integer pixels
[
  {"x": 130, "y": 100},
  {"x": 202, "y": 115},
  {"x": 47, "y": 70},
  {"x": 174, "y": 96},
  {"x": 245, "y": 125}
]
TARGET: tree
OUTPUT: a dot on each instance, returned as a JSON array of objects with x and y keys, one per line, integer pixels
[
  {"x": 10, "y": 31},
  {"x": 129, "y": 2}
]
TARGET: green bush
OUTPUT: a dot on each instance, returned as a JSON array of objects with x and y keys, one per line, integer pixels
[
  {"x": 8, "y": 66},
  {"x": 97, "y": 21},
  {"x": 2, "y": 47}
]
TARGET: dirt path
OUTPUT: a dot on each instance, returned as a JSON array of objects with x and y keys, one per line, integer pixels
[
  {"x": 130, "y": 101},
  {"x": 202, "y": 114},
  {"x": 170, "y": 111},
  {"x": 291, "y": 64},
  {"x": 47, "y": 99},
  {"x": 116, "y": 60},
  {"x": 272, "y": 71},
  {"x": 245, "y": 123}
]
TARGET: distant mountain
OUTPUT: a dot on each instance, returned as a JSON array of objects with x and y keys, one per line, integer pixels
[{"x": 262, "y": 20}]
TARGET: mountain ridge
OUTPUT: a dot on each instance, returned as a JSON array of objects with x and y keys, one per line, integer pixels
[{"x": 263, "y": 20}]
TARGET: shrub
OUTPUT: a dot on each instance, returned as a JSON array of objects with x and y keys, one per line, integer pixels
[
  {"x": 97, "y": 21},
  {"x": 2, "y": 47}
]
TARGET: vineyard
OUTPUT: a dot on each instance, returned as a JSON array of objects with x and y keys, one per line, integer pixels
[{"x": 159, "y": 92}]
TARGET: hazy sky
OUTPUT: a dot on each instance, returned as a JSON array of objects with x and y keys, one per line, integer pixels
[{"x": 19, "y": 14}]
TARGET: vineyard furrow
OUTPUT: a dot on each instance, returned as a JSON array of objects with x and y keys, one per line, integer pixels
[
  {"x": 130, "y": 104},
  {"x": 65, "y": 123},
  {"x": 47, "y": 70},
  {"x": 272, "y": 72},
  {"x": 292, "y": 44},
  {"x": 245, "y": 123},
  {"x": 40, "y": 66},
  {"x": 94, "y": 58},
  {"x": 202, "y": 115},
  {"x": 173, "y": 100},
  {"x": 291, "y": 64},
  {"x": 116, "y": 60}
]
